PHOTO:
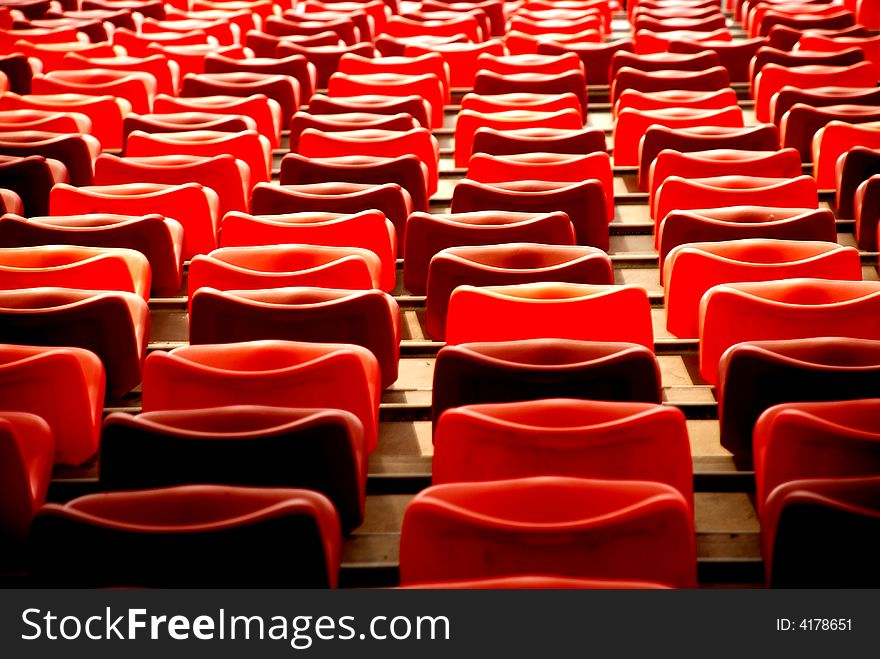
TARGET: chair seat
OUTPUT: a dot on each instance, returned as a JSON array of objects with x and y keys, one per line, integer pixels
[
  {"x": 835, "y": 139},
  {"x": 595, "y": 57},
  {"x": 549, "y": 310},
  {"x": 283, "y": 89},
  {"x": 674, "y": 98},
  {"x": 136, "y": 87},
  {"x": 265, "y": 111},
  {"x": 44, "y": 120},
  {"x": 295, "y": 66},
  {"x": 505, "y": 264},
  {"x": 325, "y": 58},
  {"x": 427, "y": 86},
  {"x": 27, "y": 447},
  {"x": 574, "y": 82},
  {"x": 166, "y": 74},
  {"x": 369, "y": 318},
  {"x": 735, "y": 56},
  {"x": 463, "y": 59},
  {"x": 413, "y": 105},
  {"x": 506, "y": 142},
  {"x": 427, "y": 63},
  {"x": 32, "y": 178},
  {"x": 329, "y": 123}
]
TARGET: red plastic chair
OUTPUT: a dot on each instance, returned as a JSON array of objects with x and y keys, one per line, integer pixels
[
  {"x": 248, "y": 445},
  {"x": 834, "y": 140},
  {"x": 220, "y": 173},
  {"x": 139, "y": 89},
  {"x": 398, "y": 26},
  {"x": 787, "y": 97},
  {"x": 18, "y": 70},
  {"x": 692, "y": 269},
  {"x": 76, "y": 152},
  {"x": 185, "y": 121},
  {"x": 429, "y": 234},
  {"x": 367, "y": 230},
  {"x": 546, "y": 167},
  {"x": 137, "y": 44},
  {"x": 469, "y": 121},
  {"x": 528, "y": 24},
  {"x": 756, "y": 375},
  {"x": 866, "y": 213},
  {"x": 274, "y": 373},
  {"x": 505, "y": 264},
  {"x": 631, "y": 126},
  {"x": 51, "y": 55},
  {"x": 363, "y": 22},
  {"x": 325, "y": 58},
  {"x": 368, "y": 318},
  {"x": 797, "y": 441},
  {"x": 113, "y": 325},
  {"x": 549, "y": 310},
  {"x": 564, "y": 437},
  {"x": 415, "y": 106},
  {"x": 786, "y": 38},
  {"x": 834, "y": 20},
  {"x": 70, "y": 266},
  {"x": 329, "y": 123},
  {"x": 64, "y": 386},
  {"x": 375, "y": 9},
  {"x": 530, "y": 140},
  {"x": 463, "y": 59},
  {"x": 520, "y": 43},
  {"x": 194, "y": 206},
  {"x": 595, "y": 57},
  {"x": 677, "y": 193},
  {"x": 190, "y": 59},
  {"x": 265, "y": 45},
  {"x": 763, "y": 137},
  {"x": 821, "y": 43},
  {"x": 735, "y": 56},
  {"x": 276, "y": 266},
  {"x": 821, "y": 533},
  {"x": 853, "y": 168},
  {"x": 710, "y": 23},
  {"x": 43, "y": 120},
  {"x": 743, "y": 222},
  {"x": 27, "y": 447},
  {"x": 774, "y": 77},
  {"x": 768, "y": 55},
  {"x": 427, "y": 86},
  {"x": 284, "y": 89},
  {"x": 552, "y": 525},
  {"x": 371, "y": 142},
  {"x": 795, "y": 308},
  {"x": 265, "y": 111},
  {"x": 542, "y": 64},
  {"x": 427, "y": 63},
  {"x": 509, "y": 371},
  {"x": 714, "y": 100},
  {"x": 654, "y": 62},
  {"x": 388, "y": 198},
  {"x": 31, "y": 178},
  {"x": 248, "y": 146},
  {"x": 295, "y": 66},
  {"x": 406, "y": 170},
  {"x": 105, "y": 112},
  {"x": 149, "y": 8},
  {"x": 520, "y": 101},
  {"x": 583, "y": 202},
  {"x": 648, "y": 42},
  {"x": 342, "y": 26},
  {"x": 493, "y": 10},
  {"x": 168, "y": 536},
  {"x": 784, "y": 163},
  {"x": 221, "y": 30},
  {"x": 261, "y": 8},
  {"x": 489, "y": 82},
  {"x": 802, "y": 122}
]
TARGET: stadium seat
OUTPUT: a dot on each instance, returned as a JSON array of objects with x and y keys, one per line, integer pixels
[
  {"x": 76, "y": 152},
  {"x": 543, "y": 64},
  {"x": 735, "y": 56},
  {"x": 654, "y": 62},
  {"x": 72, "y": 266},
  {"x": 595, "y": 57},
  {"x": 504, "y": 264},
  {"x": 463, "y": 59},
  {"x": 164, "y": 72},
  {"x": 520, "y": 101},
  {"x": 428, "y": 234},
  {"x": 18, "y": 71},
  {"x": 138, "y": 44},
  {"x": 648, "y": 41},
  {"x": 42, "y": 120},
  {"x": 564, "y": 437},
  {"x": 768, "y": 55},
  {"x": 27, "y": 447},
  {"x": 64, "y": 386},
  {"x": 185, "y": 121},
  {"x": 866, "y": 213},
  {"x": 674, "y": 98},
  {"x": 369, "y": 318},
  {"x": 822, "y": 533},
  {"x": 584, "y": 202},
  {"x": 105, "y": 112},
  {"x": 574, "y": 82},
  {"x": 801, "y": 123},
  {"x": 31, "y": 178},
  {"x": 247, "y": 445},
  {"x": 273, "y": 373},
  {"x": 789, "y": 96},
  {"x": 113, "y": 325},
  {"x": 427, "y": 63},
  {"x": 427, "y": 86},
  {"x": 542, "y": 166},
  {"x": 835, "y": 139},
  {"x": 220, "y": 173},
  {"x": 329, "y": 123},
  {"x": 283, "y": 89},
  {"x": 158, "y": 238},
  {"x": 367, "y": 230},
  {"x": 763, "y": 137},
  {"x": 388, "y": 198},
  {"x": 294, "y": 66},
  {"x": 508, "y": 142},
  {"x": 138, "y": 88},
  {"x": 415, "y": 106},
  {"x": 631, "y": 125},
  {"x": 788, "y": 309},
  {"x": 549, "y": 310},
  {"x": 325, "y": 58},
  {"x": 744, "y": 222},
  {"x": 194, "y": 206},
  {"x": 855, "y": 166},
  {"x": 169, "y": 536},
  {"x": 568, "y": 527},
  {"x": 265, "y": 111},
  {"x": 692, "y": 269}
]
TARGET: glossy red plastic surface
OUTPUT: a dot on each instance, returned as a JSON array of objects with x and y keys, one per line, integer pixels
[
  {"x": 551, "y": 525},
  {"x": 489, "y": 82},
  {"x": 835, "y": 139},
  {"x": 369, "y": 318},
  {"x": 283, "y": 89},
  {"x": 735, "y": 56},
  {"x": 788, "y": 309},
  {"x": 43, "y": 120},
  {"x": 76, "y": 152},
  {"x": 692, "y": 269},
  {"x": 266, "y": 112},
  {"x": 166, "y": 74},
  {"x": 296, "y": 66},
  {"x": 274, "y": 373},
  {"x": 697, "y": 100},
  {"x": 191, "y": 204},
  {"x": 427, "y": 86},
  {"x": 170, "y": 535},
  {"x": 31, "y": 178},
  {"x": 27, "y": 447},
  {"x": 325, "y": 58},
  {"x": 138, "y": 88},
  {"x": 529, "y": 140},
  {"x": 463, "y": 59},
  {"x": 504, "y": 264},
  {"x": 549, "y": 310},
  {"x": 415, "y": 106}
]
